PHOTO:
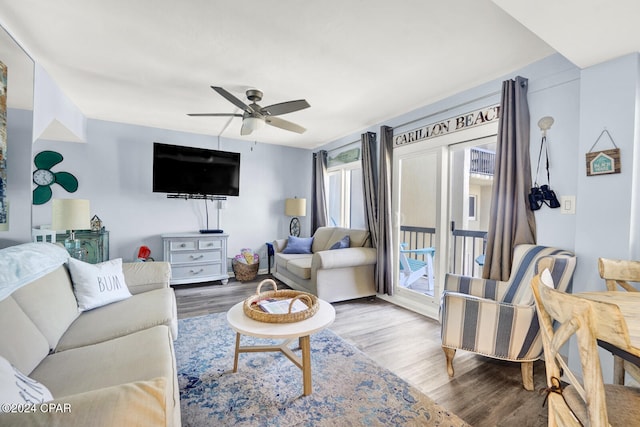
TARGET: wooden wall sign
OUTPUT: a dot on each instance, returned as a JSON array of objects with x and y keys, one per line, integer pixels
[
  {"x": 603, "y": 162},
  {"x": 475, "y": 118}
]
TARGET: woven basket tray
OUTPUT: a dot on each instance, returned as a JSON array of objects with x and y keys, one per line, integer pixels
[{"x": 251, "y": 309}]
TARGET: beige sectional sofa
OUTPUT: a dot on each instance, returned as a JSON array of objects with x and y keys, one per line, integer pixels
[
  {"x": 331, "y": 274},
  {"x": 109, "y": 366}
]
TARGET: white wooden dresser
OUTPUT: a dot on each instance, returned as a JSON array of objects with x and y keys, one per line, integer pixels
[{"x": 196, "y": 257}]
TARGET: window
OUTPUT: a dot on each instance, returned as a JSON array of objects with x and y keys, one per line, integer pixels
[
  {"x": 472, "y": 207},
  {"x": 345, "y": 196}
]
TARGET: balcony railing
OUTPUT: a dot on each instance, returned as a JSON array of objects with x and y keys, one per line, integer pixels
[
  {"x": 467, "y": 247},
  {"x": 468, "y": 251},
  {"x": 417, "y": 237},
  {"x": 482, "y": 161}
]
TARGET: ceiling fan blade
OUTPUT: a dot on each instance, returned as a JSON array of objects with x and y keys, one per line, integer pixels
[
  {"x": 285, "y": 107},
  {"x": 284, "y": 124},
  {"x": 231, "y": 98},
  {"x": 214, "y": 115}
]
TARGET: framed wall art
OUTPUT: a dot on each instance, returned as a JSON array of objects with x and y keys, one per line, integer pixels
[
  {"x": 4, "y": 203},
  {"x": 603, "y": 162}
]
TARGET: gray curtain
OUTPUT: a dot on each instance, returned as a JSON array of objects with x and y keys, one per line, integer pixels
[
  {"x": 511, "y": 221},
  {"x": 319, "y": 203},
  {"x": 384, "y": 247},
  {"x": 370, "y": 184}
]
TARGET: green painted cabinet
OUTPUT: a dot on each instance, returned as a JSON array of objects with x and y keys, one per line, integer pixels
[{"x": 90, "y": 246}]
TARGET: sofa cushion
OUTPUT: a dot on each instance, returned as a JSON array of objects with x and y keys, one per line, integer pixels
[
  {"x": 16, "y": 387},
  {"x": 100, "y": 284},
  {"x": 325, "y": 237},
  {"x": 140, "y": 356},
  {"x": 282, "y": 260},
  {"x": 139, "y": 403},
  {"x": 21, "y": 342},
  {"x": 141, "y": 311},
  {"x": 50, "y": 304},
  {"x": 146, "y": 276},
  {"x": 298, "y": 245},
  {"x": 22, "y": 264},
  {"x": 301, "y": 267}
]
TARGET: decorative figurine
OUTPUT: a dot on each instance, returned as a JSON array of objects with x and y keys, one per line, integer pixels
[{"x": 96, "y": 223}]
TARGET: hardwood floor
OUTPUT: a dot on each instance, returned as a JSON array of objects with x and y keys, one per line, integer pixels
[{"x": 483, "y": 392}]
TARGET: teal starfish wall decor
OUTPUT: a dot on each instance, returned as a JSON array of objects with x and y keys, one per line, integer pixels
[{"x": 44, "y": 178}]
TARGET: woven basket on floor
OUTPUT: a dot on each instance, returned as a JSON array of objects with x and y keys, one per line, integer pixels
[
  {"x": 244, "y": 272},
  {"x": 251, "y": 308}
]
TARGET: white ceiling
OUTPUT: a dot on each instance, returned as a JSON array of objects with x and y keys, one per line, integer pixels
[{"x": 357, "y": 62}]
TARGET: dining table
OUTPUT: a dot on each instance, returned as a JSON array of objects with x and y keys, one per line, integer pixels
[{"x": 629, "y": 305}]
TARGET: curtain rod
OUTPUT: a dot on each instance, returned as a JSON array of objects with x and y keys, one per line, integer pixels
[{"x": 480, "y": 98}]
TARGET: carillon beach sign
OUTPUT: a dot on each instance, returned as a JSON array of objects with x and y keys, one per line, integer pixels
[{"x": 465, "y": 121}]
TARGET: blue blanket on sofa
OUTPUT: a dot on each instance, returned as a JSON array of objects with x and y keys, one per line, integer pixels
[{"x": 22, "y": 264}]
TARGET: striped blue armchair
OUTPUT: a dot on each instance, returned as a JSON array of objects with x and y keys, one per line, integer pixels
[{"x": 498, "y": 319}]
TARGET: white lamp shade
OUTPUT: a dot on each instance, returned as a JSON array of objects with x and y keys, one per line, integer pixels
[
  {"x": 70, "y": 214},
  {"x": 253, "y": 123},
  {"x": 295, "y": 207}
]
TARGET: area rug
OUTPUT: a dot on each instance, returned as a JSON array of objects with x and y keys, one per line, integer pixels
[{"x": 349, "y": 389}]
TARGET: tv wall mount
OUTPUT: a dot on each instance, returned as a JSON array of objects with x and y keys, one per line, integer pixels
[{"x": 196, "y": 197}]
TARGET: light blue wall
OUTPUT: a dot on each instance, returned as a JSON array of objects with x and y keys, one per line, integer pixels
[
  {"x": 114, "y": 170},
  {"x": 55, "y": 113},
  {"x": 607, "y": 224},
  {"x": 608, "y": 205}
]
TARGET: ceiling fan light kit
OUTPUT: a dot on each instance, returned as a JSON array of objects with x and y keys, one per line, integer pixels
[
  {"x": 254, "y": 116},
  {"x": 249, "y": 124}
]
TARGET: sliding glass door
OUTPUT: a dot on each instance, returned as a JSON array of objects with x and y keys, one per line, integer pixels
[
  {"x": 420, "y": 223},
  {"x": 470, "y": 189},
  {"x": 441, "y": 200}
]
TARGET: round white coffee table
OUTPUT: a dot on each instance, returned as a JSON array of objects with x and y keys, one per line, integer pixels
[{"x": 244, "y": 325}]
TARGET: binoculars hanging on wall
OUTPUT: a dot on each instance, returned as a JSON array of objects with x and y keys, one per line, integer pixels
[{"x": 540, "y": 195}]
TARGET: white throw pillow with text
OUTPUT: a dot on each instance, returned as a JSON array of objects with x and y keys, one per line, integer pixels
[{"x": 96, "y": 285}]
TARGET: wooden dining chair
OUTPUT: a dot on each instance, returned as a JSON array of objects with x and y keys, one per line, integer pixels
[
  {"x": 620, "y": 273},
  {"x": 616, "y": 273},
  {"x": 586, "y": 402}
]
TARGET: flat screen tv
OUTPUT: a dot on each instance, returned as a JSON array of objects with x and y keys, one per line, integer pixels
[{"x": 189, "y": 170}]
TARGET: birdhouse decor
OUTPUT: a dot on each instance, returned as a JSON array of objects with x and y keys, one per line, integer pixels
[{"x": 96, "y": 223}]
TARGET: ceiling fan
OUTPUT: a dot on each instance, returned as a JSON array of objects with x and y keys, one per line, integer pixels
[{"x": 255, "y": 116}]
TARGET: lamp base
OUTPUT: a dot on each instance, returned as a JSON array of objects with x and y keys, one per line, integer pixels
[
  {"x": 75, "y": 249},
  {"x": 294, "y": 227}
]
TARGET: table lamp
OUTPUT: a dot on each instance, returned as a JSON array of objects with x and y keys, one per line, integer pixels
[
  {"x": 72, "y": 215},
  {"x": 295, "y": 208}
]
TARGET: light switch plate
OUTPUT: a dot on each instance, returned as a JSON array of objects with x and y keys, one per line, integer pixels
[{"x": 568, "y": 205}]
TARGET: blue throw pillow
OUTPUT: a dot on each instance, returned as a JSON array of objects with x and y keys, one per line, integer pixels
[
  {"x": 342, "y": 243},
  {"x": 298, "y": 245}
]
